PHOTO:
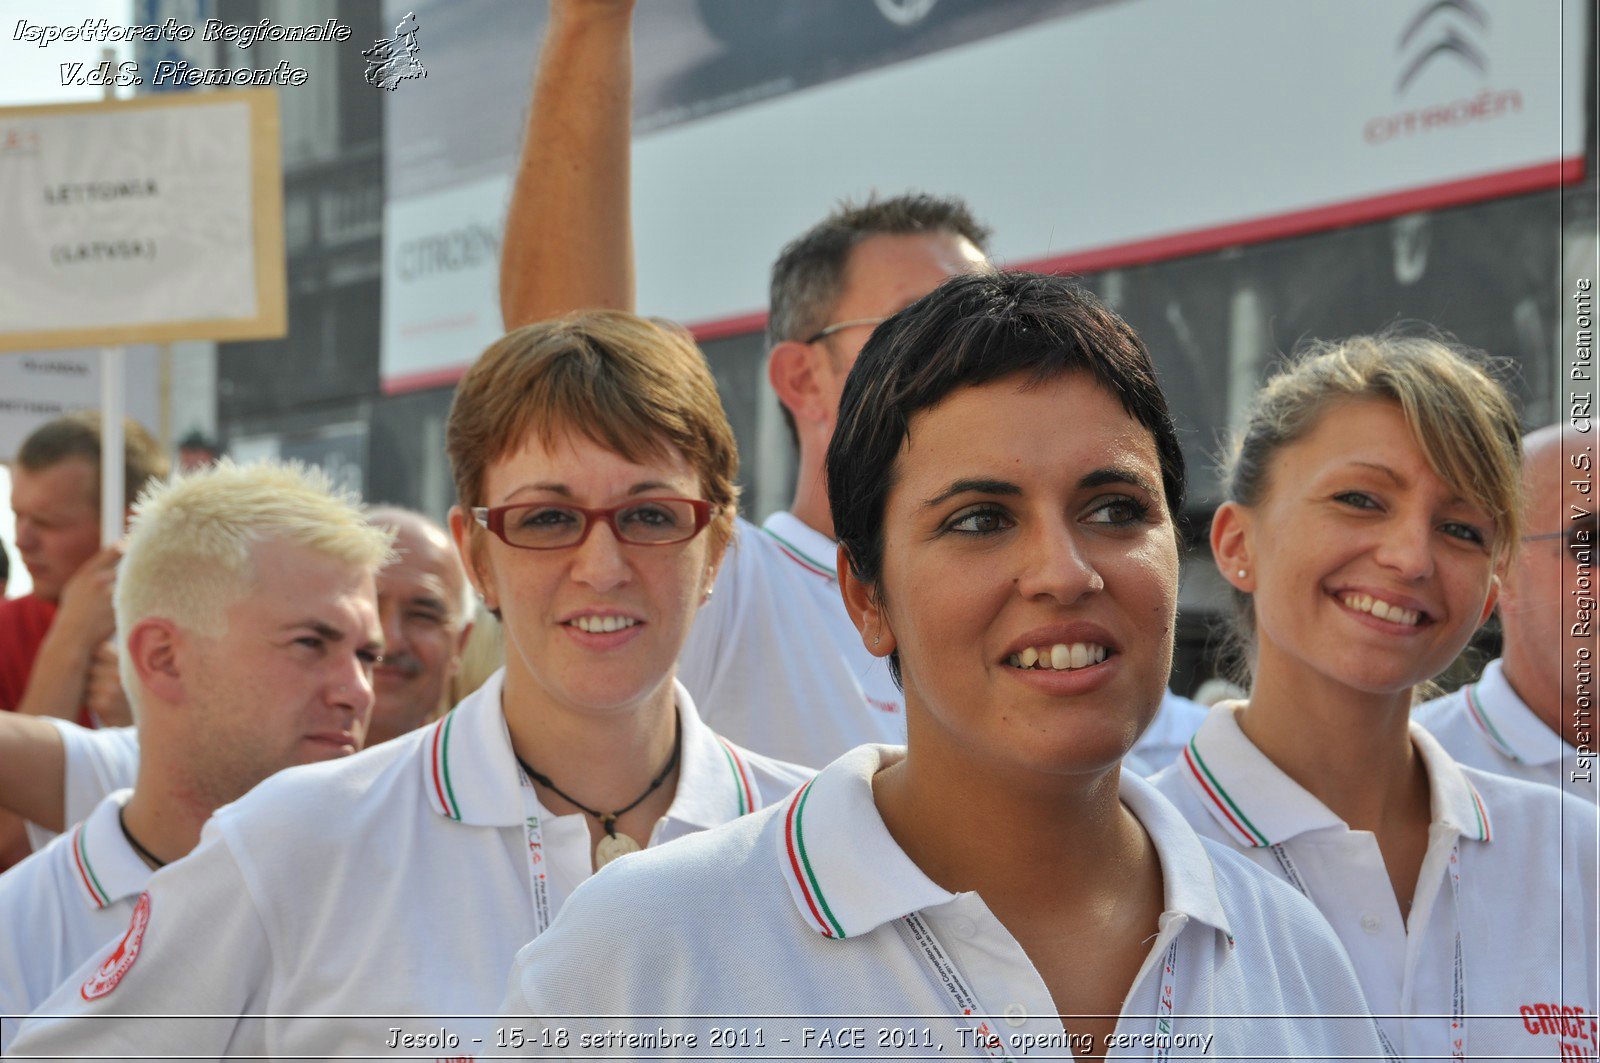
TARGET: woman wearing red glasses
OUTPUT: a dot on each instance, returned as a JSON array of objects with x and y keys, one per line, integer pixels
[{"x": 595, "y": 469}]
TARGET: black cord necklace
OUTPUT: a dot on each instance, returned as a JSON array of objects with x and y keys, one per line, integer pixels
[
  {"x": 608, "y": 820},
  {"x": 150, "y": 858}
]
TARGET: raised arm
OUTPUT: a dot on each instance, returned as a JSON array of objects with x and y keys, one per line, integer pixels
[{"x": 569, "y": 239}]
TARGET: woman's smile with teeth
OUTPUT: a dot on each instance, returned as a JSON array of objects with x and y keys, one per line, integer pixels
[
  {"x": 1395, "y": 614},
  {"x": 1059, "y": 657},
  {"x": 598, "y": 625}
]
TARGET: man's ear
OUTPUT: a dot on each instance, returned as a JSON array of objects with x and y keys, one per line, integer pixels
[
  {"x": 1232, "y": 535},
  {"x": 865, "y": 608},
  {"x": 792, "y": 369},
  {"x": 461, "y": 526},
  {"x": 154, "y": 649}
]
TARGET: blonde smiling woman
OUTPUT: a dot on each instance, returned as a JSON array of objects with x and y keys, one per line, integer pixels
[{"x": 1372, "y": 503}]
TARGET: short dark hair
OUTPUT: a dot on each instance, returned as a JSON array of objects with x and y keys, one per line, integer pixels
[
  {"x": 77, "y": 435},
  {"x": 973, "y": 329},
  {"x": 808, "y": 276}
]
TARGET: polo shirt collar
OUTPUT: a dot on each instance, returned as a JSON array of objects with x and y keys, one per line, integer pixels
[
  {"x": 1456, "y": 804},
  {"x": 468, "y": 768},
  {"x": 471, "y": 775},
  {"x": 845, "y": 872},
  {"x": 1507, "y": 723},
  {"x": 803, "y": 544},
  {"x": 1189, "y": 881},
  {"x": 1258, "y": 805},
  {"x": 105, "y": 866},
  {"x": 848, "y": 876}
]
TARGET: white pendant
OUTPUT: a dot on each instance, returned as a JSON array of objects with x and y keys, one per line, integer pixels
[{"x": 611, "y": 847}]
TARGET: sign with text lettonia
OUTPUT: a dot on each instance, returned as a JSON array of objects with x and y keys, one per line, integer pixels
[
  {"x": 1089, "y": 135},
  {"x": 141, "y": 221}
]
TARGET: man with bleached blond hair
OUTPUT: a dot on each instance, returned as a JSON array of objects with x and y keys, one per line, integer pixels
[{"x": 248, "y": 628}]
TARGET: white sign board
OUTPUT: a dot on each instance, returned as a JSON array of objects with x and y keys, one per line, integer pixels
[
  {"x": 1130, "y": 132},
  {"x": 39, "y": 386},
  {"x": 145, "y": 220}
]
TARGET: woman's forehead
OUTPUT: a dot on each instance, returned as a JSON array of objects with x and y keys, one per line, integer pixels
[
  {"x": 575, "y": 459},
  {"x": 1064, "y": 423}
]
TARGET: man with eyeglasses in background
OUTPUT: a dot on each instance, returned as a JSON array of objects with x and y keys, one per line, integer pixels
[{"x": 1522, "y": 717}]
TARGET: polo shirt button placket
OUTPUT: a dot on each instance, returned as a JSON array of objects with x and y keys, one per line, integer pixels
[
  {"x": 1015, "y": 1015},
  {"x": 1371, "y": 923}
]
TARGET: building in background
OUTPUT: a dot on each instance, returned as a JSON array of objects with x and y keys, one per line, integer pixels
[{"x": 1233, "y": 177}]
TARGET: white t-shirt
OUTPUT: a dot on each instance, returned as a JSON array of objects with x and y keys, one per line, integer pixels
[
  {"x": 773, "y": 660},
  {"x": 1522, "y": 856},
  {"x": 396, "y": 882},
  {"x": 796, "y": 919},
  {"x": 1485, "y": 725},
  {"x": 97, "y": 762},
  {"x": 60, "y": 905}
]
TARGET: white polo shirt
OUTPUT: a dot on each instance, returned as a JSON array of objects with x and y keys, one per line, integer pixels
[
  {"x": 396, "y": 882},
  {"x": 97, "y": 762},
  {"x": 1506, "y": 895},
  {"x": 60, "y": 905},
  {"x": 773, "y": 660},
  {"x": 1485, "y": 725},
  {"x": 797, "y": 919}
]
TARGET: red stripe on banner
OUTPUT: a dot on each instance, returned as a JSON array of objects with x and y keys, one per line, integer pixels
[
  {"x": 722, "y": 328},
  {"x": 1551, "y": 174},
  {"x": 433, "y": 378},
  {"x": 1333, "y": 216}
]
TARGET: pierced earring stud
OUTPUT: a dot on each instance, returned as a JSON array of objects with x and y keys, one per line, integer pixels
[
  {"x": 1243, "y": 573},
  {"x": 877, "y": 639}
]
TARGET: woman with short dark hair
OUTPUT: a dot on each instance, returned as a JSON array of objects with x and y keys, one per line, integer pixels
[{"x": 1005, "y": 480}]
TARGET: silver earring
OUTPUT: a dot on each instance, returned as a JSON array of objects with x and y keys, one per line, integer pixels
[
  {"x": 876, "y": 639},
  {"x": 1243, "y": 573}
]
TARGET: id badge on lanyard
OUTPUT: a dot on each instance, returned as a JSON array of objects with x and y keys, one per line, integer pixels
[
  {"x": 538, "y": 872},
  {"x": 964, "y": 1001}
]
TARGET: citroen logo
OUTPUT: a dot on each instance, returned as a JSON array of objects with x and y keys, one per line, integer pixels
[{"x": 1435, "y": 34}]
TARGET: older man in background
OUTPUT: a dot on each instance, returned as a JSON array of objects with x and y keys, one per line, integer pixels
[{"x": 1523, "y": 716}]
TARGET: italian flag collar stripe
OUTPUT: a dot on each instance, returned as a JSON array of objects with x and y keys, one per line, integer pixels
[
  {"x": 80, "y": 856},
  {"x": 795, "y": 554},
  {"x": 441, "y": 768},
  {"x": 741, "y": 777},
  {"x": 1481, "y": 718},
  {"x": 1484, "y": 832},
  {"x": 1219, "y": 797},
  {"x": 800, "y": 865}
]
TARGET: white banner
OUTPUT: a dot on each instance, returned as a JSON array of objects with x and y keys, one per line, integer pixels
[
  {"x": 39, "y": 386},
  {"x": 143, "y": 220},
  {"x": 1128, "y": 132}
]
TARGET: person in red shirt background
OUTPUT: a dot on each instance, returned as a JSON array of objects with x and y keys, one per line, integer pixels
[{"x": 55, "y": 655}]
